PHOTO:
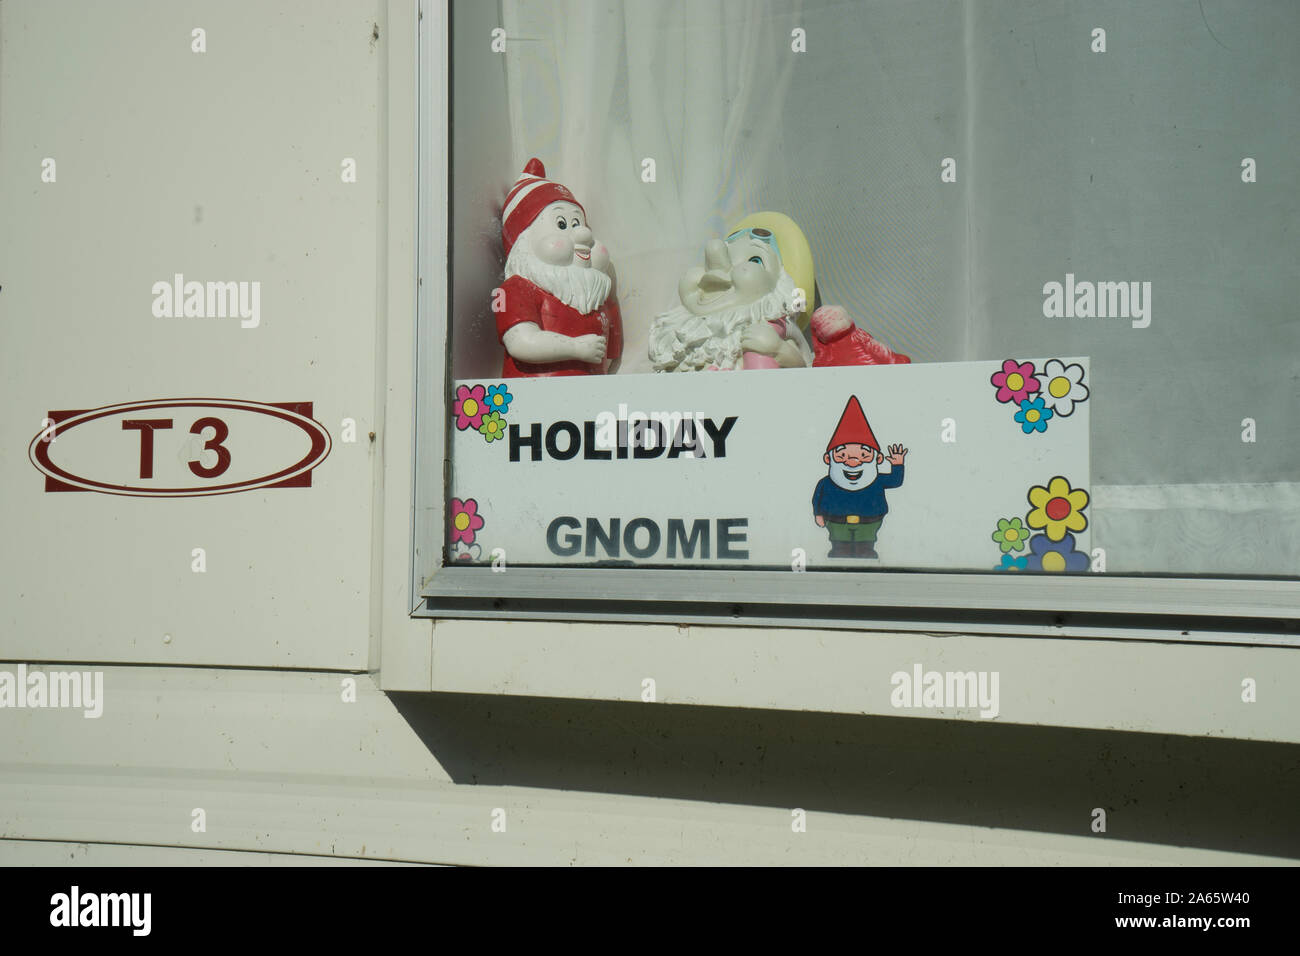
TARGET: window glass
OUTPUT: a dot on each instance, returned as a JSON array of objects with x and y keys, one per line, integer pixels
[{"x": 875, "y": 286}]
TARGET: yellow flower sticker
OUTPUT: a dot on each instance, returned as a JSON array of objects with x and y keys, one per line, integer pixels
[{"x": 1057, "y": 508}]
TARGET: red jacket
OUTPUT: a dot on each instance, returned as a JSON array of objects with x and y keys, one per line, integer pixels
[{"x": 526, "y": 302}]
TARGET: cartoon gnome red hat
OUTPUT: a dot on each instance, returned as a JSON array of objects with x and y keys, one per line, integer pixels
[
  {"x": 531, "y": 193},
  {"x": 853, "y": 428}
]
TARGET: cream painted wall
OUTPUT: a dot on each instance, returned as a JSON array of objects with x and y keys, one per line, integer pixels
[
  {"x": 222, "y": 165},
  {"x": 281, "y": 765}
]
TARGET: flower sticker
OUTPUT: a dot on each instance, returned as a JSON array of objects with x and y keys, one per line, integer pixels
[
  {"x": 1015, "y": 381},
  {"x": 1057, "y": 509},
  {"x": 493, "y": 427},
  {"x": 465, "y": 520},
  {"x": 1033, "y": 415},
  {"x": 1055, "y": 556},
  {"x": 1012, "y": 563},
  {"x": 1011, "y": 535},
  {"x": 469, "y": 406},
  {"x": 499, "y": 398},
  {"x": 1062, "y": 387},
  {"x": 463, "y": 553}
]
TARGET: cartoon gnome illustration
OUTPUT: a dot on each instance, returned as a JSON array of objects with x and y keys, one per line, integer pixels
[{"x": 850, "y": 501}]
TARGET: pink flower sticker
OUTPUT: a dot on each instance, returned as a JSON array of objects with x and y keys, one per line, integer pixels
[
  {"x": 469, "y": 406},
  {"x": 1015, "y": 381},
  {"x": 465, "y": 520}
]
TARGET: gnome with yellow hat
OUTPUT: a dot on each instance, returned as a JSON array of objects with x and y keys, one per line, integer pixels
[
  {"x": 745, "y": 307},
  {"x": 850, "y": 501}
]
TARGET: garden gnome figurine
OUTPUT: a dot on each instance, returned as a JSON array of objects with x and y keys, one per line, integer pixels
[
  {"x": 738, "y": 311},
  {"x": 556, "y": 310}
]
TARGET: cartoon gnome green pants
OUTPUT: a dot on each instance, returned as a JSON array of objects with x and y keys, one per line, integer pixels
[{"x": 854, "y": 540}]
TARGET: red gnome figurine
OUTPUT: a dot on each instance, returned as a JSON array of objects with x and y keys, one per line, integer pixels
[
  {"x": 838, "y": 341},
  {"x": 559, "y": 314}
]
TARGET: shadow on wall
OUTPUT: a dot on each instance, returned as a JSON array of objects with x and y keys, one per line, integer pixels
[{"x": 1214, "y": 794}]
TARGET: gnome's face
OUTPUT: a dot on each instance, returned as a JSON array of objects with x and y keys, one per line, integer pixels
[
  {"x": 736, "y": 273},
  {"x": 556, "y": 255},
  {"x": 559, "y": 236},
  {"x": 853, "y": 466}
]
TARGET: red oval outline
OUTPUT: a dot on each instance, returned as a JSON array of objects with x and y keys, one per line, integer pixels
[{"x": 321, "y": 445}]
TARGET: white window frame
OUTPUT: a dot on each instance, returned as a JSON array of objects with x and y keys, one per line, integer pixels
[{"x": 1255, "y": 611}]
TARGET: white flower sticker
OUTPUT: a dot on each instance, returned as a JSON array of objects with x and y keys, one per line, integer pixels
[
  {"x": 469, "y": 553},
  {"x": 1061, "y": 387}
]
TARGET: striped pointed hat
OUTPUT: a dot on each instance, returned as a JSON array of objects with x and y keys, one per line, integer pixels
[{"x": 531, "y": 193}]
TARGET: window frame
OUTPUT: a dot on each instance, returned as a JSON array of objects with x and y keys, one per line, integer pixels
[{"x": 1236, "y": 610}]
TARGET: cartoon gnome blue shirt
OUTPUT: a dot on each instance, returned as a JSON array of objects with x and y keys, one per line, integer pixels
[
  {"x": 831, "y": 500},
  {"x": 850, "y": 501}
]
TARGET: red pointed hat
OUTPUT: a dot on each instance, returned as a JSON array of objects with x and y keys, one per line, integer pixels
[
  {"x": 531, "y": 193},
  {"x": 853, "y": 427}
]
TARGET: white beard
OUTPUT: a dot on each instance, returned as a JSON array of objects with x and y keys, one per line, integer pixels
[
  {"x": 578, "y": 287},
  {"x": 681, "y": 341},
  {"x": 869, "y": 475}
]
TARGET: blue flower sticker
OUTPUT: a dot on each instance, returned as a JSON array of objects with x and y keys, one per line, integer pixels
[
  {"x": 1033, "y": 415},
  {"x": 1012, "y": 563},
  {"x": 498, "y": 399},
  {"x": 1055, "y": 556}
]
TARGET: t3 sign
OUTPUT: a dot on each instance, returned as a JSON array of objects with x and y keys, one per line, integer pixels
[{"x": 180, "y": 448}]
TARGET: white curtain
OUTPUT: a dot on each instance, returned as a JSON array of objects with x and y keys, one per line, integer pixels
[
  {"x": 1114, "y": 166},
  {"x": 598, "y": 88},
  {"x": 806, "y": 108}
]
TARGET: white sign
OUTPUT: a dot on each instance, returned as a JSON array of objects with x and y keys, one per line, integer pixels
[{"x": 953, "y": 466}]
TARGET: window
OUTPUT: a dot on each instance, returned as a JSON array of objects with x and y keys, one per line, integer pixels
[{"x": 947, "y": 310}]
